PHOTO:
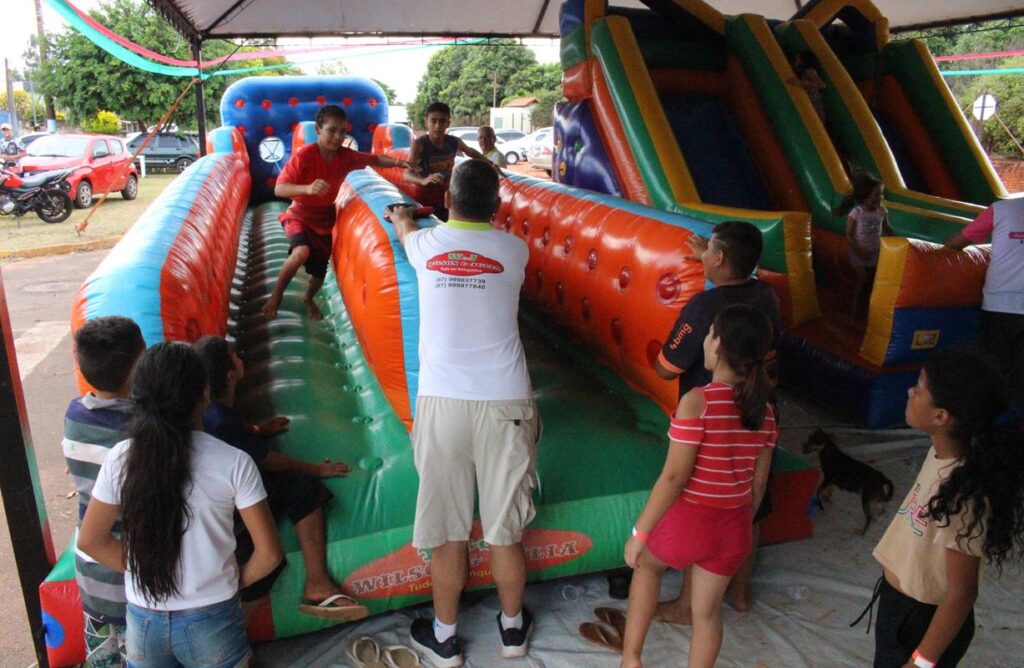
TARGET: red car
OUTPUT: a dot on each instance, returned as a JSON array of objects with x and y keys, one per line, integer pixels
[{"x": 101, "y": 163}]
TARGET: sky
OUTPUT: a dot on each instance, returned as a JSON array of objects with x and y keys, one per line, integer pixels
[{"x": 401, "y": 71}]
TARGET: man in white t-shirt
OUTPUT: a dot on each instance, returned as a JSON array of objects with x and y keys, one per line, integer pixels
[
  {"x": 476, "y": 424},
  {"x": 1001, "y": 325}
]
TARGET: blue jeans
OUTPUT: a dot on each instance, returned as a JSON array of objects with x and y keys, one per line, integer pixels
[{"x": 209, "y": 637}]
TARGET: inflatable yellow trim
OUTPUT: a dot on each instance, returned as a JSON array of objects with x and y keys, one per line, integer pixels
[
  {"x": 824, "y": 12},
  {"x": 704, "y": 13},
  {"x": 892, "y": 261}
]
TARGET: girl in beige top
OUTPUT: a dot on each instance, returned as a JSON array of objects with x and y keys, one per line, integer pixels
[{"x": 966, "y": 505}]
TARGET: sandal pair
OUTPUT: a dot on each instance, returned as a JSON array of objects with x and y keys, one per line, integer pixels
[
  {"x": 608, "y": 632},
  {"x": 337, "y": 607},
  {"x": 366, "y": 653}
]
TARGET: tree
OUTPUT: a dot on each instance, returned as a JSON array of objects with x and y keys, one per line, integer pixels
[
  {"x": 23, "y": 106},
  {"x": 84, "y": 79},
  {"x": 104, "y": 123},
  {"x": 329, "y": 68},
  {"x": 534, "y": 80},
  {"x": 544, "y": 113},
  {"x": 470, "y": 78},
  {"x": 389, "y": 92}
]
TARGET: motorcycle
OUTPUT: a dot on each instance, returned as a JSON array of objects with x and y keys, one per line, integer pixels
[{"x": 46, "y": 193}]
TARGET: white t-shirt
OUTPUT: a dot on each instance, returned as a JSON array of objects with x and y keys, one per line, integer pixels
[
  {"x": 497, "y": 157},
  {"x": 469, "y": 277},
  {"x": 1004, "y": 281},
  {"x": 223, "y": 478}
]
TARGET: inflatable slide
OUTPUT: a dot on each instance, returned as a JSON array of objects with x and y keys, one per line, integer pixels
[
  {"x": 606, "y": 279},
  {"x": 688, "y": 110}
]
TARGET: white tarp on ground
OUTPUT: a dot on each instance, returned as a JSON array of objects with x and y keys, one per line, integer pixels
[
  {"x": 269, "y": 18},
  {"x": 807, "y": 593}
]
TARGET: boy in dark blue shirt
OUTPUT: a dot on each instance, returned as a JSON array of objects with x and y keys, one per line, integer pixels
[{"x": 293, "y": 486}]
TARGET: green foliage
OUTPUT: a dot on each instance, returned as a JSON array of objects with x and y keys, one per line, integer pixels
[
  {"x": 23, "y": 106},
  {"x": 470, "y": 78},
  {"x": 544, "y": 113},
  {"x": 84, "y": 79},
  {"x": 330, "y": 68},
  {"x": 534, "y": 80},
  {"x": 993, "y": 36},
  {"x": 104, "y": 123},
  {"x": 389, "y": 92}
]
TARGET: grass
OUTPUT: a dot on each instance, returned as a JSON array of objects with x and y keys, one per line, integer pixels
[{"x": 111, "y": 221}]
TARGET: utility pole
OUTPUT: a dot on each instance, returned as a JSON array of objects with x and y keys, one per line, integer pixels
[
  {"x": 10, "y": 98},
  {"x": 51, "y": 114},
  {"x": 494, "y": 89}
]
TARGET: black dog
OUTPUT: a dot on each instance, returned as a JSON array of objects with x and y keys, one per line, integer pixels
[{"x": 849, "y": 475}]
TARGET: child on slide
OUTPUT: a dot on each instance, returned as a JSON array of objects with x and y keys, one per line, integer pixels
[
  {"x": 175, "y": 490},
  {"x": 311, "y": 179},
  {"x": 805, "y": 64},
  {"x": 966, "y": 505},
  {"x": 866, "y": 221},
  {"x": 700, "y": 509},
  {"x": 293, "y": 486}
]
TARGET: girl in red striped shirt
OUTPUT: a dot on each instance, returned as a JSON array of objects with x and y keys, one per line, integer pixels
[{"x": 700, "y": 509}]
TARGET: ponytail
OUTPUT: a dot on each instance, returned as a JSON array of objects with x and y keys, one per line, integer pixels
[
  {"x": 746, "y": 338},
  {"x": 987, "y": 488},
  {"x": 167, "y": 390}
]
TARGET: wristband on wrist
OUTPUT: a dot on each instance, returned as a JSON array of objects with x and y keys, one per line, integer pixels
[
  {"x": 642, "y": 535},
  {"x": 920, "y": 661}
]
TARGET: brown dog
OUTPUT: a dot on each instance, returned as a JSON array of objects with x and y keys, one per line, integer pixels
[{"x": 848, "y": 474}]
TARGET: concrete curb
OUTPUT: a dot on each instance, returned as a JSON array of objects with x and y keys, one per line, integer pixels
[{"x": 59, "y": 249}]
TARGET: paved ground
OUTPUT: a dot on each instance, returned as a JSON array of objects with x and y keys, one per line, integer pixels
[{"x": 39, "y": 295}]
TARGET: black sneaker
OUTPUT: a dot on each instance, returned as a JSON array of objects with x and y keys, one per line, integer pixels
[
  {"x": 447, "y": 654},
  {"x": 516, "y": 642}
]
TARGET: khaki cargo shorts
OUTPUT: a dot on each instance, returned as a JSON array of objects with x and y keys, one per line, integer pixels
[{"x": 460, "y": 445}]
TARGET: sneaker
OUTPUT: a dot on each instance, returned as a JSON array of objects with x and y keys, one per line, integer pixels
[
  {"x": 516, "y": 642},
  {"x": 447, "y": 654}
]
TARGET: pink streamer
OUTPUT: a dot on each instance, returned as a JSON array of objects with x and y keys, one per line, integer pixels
[{"x": 979, "y": 56}]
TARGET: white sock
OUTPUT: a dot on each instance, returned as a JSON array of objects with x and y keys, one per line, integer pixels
[
  {"x": 512, "y": 622},
  {"x": 443, "y": 631}
]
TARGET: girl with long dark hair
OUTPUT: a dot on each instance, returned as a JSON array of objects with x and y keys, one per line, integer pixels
[
  {"x": 173, "y": 490},
  {"x": 967, "y": 505},
  {"x": 700, "y": 509}
]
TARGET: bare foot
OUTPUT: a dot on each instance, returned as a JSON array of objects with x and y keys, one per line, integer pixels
[
  {"x": 313, "y": 311},
  {"x": 739, "y": 601},
  {"x": 673, "y": 612},
  {"x": 270, "y": 307}
]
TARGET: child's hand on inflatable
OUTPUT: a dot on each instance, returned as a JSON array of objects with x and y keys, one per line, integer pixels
[
  {"x": 274, "y": 426},
  {"x": 318, "y": 187},
  {"x": 434, "y": 180},
  {"x": 329, "y": 469},
  {"x": 633, "y": 550}
]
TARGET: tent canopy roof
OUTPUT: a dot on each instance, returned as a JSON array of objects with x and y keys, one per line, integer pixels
[{"x": 522, "y": 18}]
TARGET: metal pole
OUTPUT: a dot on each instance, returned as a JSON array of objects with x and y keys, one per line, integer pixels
[
  {"x": 10, "y": 99},
  {"x": 23, "y": 499},
  {"x": 197, "y": 55}
]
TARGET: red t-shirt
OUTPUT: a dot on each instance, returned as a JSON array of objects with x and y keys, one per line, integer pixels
[
  {"x": 308, "y": 165},
  {"x": 727, "y": 452}
]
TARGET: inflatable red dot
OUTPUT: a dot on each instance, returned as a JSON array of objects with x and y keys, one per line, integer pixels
[
  {"x": 567, "y": 246},
  {"x": 373, "y": 102},
  {"x": 545, "y": 238},
  {"x": 346, "y": 102},
  {"x": 526, "y": 227},
  {"x": 320, "y": 99},
  {"x": 592, "y": 259},
  {"x": 348, "y": 127},
  {"x": 266, "y": 104},
  {"x": 239, "y": 103},
  {"x": 293, "y": 102},
  {"x": 617, "y": 330},
  {"x": 625, "y": 275},
  {"x": 371, "y": 127},
  {"x": 268, "y": 130},
  {"x": 668, "y": 288},
  {"x": 241, "y": 128}
]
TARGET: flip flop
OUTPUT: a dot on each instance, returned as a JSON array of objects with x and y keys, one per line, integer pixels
[
  {"x": 601, "y": 635},
  {"x": 350, "y": 609},
  {"x": 400, "y": 656},
  {"x": 364, "y": 653},
  {"x": 614, "y": 618}
]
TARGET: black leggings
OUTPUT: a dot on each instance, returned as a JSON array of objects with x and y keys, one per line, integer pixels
[{"x": 901, "y": 624}]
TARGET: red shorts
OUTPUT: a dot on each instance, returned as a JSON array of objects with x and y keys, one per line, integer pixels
[
  {"x": 316, "y": 239},
  {"x": 716, "y": 539}
]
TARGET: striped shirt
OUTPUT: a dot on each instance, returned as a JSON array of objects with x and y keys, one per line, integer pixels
[
  {"x": 92, "y": 426},
  {"x": 723, "y": 475}
]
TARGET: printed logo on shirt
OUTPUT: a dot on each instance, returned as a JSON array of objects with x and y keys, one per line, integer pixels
[
  {"x": 917, "y": 514},
  {"x": 680, "y": 334},
  {"x": 1017, "y": 236},
  {"x": 464, "y": 263}
]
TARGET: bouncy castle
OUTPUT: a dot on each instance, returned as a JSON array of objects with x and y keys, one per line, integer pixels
[{"x": 676, "y": 119}]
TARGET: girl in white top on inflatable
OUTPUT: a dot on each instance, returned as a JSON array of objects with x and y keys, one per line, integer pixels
[
  {"x": 866, "y": 222},
  {"x": 162, "y": 511}
]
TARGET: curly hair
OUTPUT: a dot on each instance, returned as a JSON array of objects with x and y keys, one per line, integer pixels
[
  {"x": 167, "y": 389},
  {"x": 988, "y": 485}
]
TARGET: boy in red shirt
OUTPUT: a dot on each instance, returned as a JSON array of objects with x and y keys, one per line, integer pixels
[{"x": 311, "y": 179}]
